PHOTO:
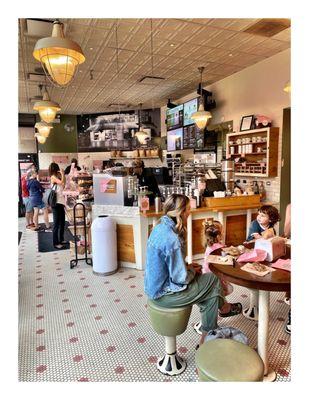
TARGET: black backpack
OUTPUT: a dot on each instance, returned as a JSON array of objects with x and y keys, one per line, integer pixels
[{"x": 52, "y": 197}]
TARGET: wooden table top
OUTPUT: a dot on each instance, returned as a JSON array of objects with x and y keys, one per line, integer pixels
[{"x": 276, "y": 281}]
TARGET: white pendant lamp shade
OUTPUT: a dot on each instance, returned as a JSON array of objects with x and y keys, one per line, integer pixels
[
  {"x": 141, "y": 135},
  {"x": 43, "y": 128},
  {"x": 201, "y": 117},
  {"x": 47, "y": 109},
  {"x": 59, "y": 56},
  {"x": 41, "y": 139}
]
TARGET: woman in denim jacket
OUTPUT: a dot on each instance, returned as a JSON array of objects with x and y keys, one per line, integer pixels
[{"x": 168, "y": 281}]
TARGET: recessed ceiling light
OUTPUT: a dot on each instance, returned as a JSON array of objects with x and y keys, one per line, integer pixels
[
  {"x": 230, "y": 55},
  {"x": 90, "y": 48},
  {"x": 172, "y": 45},
  {"x": 80, "y": 70}
]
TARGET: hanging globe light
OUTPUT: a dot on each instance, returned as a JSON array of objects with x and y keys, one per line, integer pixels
[
  {"x": 43, "y": 128},
  {"x": 40, "y": 139},
  {"x": 59, "y": 56},
  {"x": 201, "y": 116},
  {"x": 47, "y": 109}
]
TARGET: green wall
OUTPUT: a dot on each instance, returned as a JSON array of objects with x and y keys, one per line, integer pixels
[{"x": 59, "y": 140}]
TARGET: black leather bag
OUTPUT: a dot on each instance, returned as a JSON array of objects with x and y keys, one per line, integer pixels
[{"x": 52, "y": 197}]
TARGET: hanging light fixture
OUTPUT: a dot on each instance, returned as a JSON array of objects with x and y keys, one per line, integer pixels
[
  {"x": 43, "y": 128},
  {"x": 140, "y": 134},
  {"x": 47, "y": 109},
  {"x": 40, "y": 139},
  {"x": 201, "y": 116},
  {"x": 287, "y": 87},
  {"x": 59, "y": 56}
]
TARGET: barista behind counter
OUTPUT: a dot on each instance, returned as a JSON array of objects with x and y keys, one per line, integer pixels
[{"x": 146, "y": 178}]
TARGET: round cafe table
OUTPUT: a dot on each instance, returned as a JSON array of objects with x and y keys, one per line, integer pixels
[{"x": 276, "y": 281}]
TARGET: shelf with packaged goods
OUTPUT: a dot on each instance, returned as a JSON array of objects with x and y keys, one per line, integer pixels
[{"x": 252, "y": 165}]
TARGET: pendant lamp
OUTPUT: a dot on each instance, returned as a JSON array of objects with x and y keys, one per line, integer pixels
[
  {"x": 140, "y": 134},
  {"x": 201, "y": 116},
  {"x": 43, "y": 128},
  {"x": 40, "y": 139},
  {"x": 287, "y": 87},
  {"x": 47, "y": 109},
  {"x": 59, "y": 56}
]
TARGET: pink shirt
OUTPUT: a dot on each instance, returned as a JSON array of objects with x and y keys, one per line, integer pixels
[{"x": 209, "y": 250}]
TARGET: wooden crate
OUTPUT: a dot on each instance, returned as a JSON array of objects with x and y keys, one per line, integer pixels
[{"x": 213, "y": 202}]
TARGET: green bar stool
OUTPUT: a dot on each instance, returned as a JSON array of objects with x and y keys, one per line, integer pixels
[
  {"x": 169, "y": 322},
  {"x": 226, "y": 360}
]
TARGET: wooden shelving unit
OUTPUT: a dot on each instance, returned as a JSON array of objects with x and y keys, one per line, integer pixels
[{"x": 258, "y": 148}]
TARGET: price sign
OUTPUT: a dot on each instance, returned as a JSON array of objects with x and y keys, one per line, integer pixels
[{"x": 108, "y": 185}]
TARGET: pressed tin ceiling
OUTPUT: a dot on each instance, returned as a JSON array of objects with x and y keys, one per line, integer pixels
[{"x": 223, "y": 46}]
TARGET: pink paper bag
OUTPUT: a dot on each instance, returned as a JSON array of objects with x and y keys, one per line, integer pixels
[
  {"x": 252, "y": 256},
  {"x": 282, "y": 264}
]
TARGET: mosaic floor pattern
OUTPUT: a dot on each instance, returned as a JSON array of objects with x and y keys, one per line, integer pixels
[{"x": 80, "y": 327}]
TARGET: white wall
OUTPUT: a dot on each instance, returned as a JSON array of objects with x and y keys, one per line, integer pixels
[
  {"x": 255, "y": 90},
  {"x": 26, "y": 140},
  {"x": 46, "y": 158}
]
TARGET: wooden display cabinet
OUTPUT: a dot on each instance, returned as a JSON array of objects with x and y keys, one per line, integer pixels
[{"x": 259, "y": 147}]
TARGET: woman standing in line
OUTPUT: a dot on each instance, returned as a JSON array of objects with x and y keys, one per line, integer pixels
[
  {"x": 169, "y": 282},
  {"x": 57, "y": 178}
]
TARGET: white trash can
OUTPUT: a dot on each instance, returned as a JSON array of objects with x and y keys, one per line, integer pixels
[{"x": 104, "y": 245}]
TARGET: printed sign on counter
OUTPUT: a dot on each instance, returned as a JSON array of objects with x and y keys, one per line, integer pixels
[
  {"x": 108, "y": 185},
  {"x": 145, "y": 203}
]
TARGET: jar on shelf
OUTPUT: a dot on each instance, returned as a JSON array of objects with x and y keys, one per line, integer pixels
[{"x": 154, "y": 152}]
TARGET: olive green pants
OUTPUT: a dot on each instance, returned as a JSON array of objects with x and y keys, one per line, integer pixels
[{"x": 206, "y": 292}]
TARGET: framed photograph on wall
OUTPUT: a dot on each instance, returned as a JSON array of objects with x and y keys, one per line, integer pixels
[{"x": 246, "y": 123}]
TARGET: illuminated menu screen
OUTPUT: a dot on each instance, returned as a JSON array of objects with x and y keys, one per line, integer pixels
[
  {"x": 189, "y": 108},
  {"x": 174, "y": 117},
  {"x": 175, "y": 139},
  {"x": 193, "y": 137}
]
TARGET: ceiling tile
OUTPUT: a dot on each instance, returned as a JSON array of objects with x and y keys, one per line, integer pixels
[{"x": 197, "y": 42}]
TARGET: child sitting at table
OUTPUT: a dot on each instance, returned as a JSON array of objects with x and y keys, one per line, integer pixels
[
  {"x": 261, "y": 227},
  {"x": 212, "y": 235}
]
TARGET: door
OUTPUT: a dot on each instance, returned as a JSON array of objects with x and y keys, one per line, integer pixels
[
  {"x": 24, "y": 163},
  {"x": 285, "y": 180}
]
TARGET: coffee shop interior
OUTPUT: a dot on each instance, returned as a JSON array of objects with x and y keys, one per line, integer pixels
[{"x": 134, "y": 111}]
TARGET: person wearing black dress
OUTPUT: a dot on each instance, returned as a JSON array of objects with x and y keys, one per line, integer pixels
[
  {"x": 146, "y": 178},
  {"x": 68, "y": 168}
]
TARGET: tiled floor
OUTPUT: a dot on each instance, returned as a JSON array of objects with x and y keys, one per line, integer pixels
[{"x": 77, "y": 326}]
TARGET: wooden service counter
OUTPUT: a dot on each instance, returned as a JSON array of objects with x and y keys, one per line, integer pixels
[
  {"x": 134, "y": 227},
  {"x": 234, "y": 213}
]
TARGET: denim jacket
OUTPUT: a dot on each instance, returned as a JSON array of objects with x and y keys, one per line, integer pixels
[{"x": 165, "y": 270}]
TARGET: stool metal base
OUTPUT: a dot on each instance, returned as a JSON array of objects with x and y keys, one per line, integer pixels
[
  {"x": 171, "y": 364},
  {"x": 251, "y": 313},
  {"x": 270, "y": 377}
]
